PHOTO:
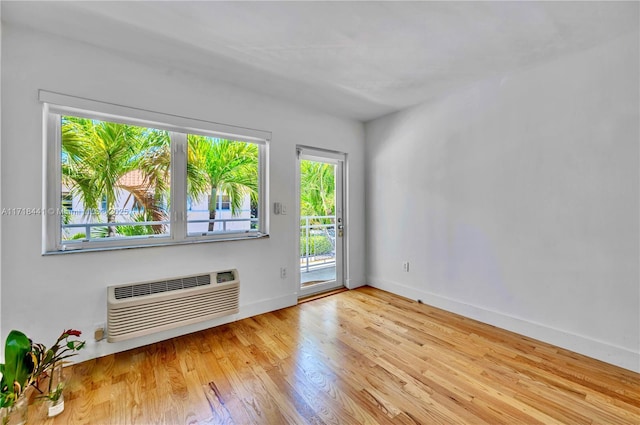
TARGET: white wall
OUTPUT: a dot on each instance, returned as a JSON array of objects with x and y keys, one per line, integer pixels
[
  {"x": 2, "y": 355},
  {"x": 516, "y": 202},
  {"x": 42, "y": 295}
]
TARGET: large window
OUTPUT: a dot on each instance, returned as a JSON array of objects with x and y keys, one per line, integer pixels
[{"x": 121, "y": 182}]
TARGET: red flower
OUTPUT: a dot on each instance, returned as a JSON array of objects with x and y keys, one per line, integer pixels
[{"x": 72, "y": 332}]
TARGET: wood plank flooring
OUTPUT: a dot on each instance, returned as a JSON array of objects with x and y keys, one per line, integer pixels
[{"x": 358, "y": 357}]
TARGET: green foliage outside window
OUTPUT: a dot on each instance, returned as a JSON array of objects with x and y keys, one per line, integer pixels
[{"x": 99, "y": 160}]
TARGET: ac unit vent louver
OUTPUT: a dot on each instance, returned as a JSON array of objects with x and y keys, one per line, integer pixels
[
  {"x": 143, "y": 308},
  {"x": 142, "y": 289}
]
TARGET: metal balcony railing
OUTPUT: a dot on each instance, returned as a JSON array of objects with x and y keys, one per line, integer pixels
[{"x": 317, "y": 242}]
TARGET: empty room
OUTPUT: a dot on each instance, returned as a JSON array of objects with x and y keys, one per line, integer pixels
[{"x": 368, "y": 212}]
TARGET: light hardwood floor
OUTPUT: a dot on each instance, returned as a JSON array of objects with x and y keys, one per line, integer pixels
[{"x": 358, "y": 357}]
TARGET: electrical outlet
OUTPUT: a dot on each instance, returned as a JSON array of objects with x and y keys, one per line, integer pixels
[
  {"x": 100, "y": 331},
  {"x": 283, "y": 272},
  {"x": 405, "y": 266}
]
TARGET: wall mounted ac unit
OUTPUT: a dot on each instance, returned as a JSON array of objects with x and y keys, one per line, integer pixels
[{"x": 143, "y": 308}]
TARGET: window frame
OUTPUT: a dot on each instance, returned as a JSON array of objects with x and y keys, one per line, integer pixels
[
  {"x": 222, "y": 202},
  {"x": 56, "y": 105}
]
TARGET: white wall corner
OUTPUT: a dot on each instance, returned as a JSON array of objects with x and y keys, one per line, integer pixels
[{"x": 354, "y": 283}]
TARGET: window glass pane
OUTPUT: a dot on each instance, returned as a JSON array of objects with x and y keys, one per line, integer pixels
[
  {"x": 117, "y": 179},
  {"x": 67, "y": 202},
  {"x": 317, "y": 217},
  {"x": 222, "y": 184}
]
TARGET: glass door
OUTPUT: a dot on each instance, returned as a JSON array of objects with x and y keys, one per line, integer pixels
[{"x": 321, "y": 220}]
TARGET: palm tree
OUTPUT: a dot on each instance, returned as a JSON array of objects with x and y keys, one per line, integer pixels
[
  {"x": 101, "y": 159},
  {"x": 317, "y": 198},
  {"x": 317, "y": 189},
  {"x": 152, "y": 186},
  {"x": 95, "y": 156},
  {"x": 227, "y": 166}
]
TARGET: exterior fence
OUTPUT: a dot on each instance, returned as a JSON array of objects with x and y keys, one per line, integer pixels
[
  {"x": 317, "y": 242},
  {"x": 92, "y": 230}
]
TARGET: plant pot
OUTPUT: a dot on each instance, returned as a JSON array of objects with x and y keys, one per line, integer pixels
[
  {"x": 54, "y": 408},
  {"x": 16, "y": 414},
  {"x": 55, "y": 402}
]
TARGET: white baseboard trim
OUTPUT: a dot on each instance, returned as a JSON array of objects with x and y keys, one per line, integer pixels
[
  {"x": 354, "y": 283},
  {"x": 102, "y": 348},
  {"x": 267, "y": 305},
  {"x": 601, "y": 350}
]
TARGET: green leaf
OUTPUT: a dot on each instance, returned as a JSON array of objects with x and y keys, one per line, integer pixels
[
  {"x": 17, "y": 367},
  {"x": 48, "y": 356}
]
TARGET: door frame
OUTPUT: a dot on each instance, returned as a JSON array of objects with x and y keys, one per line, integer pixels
[{"x": 340, "y": 159}]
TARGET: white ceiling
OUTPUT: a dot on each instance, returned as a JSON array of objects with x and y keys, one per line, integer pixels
[{"x": 355, "y": 59}]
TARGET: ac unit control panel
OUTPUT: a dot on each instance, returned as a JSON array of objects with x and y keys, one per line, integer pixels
[{"x": 226, "y": 276}]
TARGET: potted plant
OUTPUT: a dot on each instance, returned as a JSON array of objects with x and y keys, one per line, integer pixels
[
  {"x": 17, "y": 374},
  {"x": 54, "y": 396},
  {"x": 49, "y": 363}
]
